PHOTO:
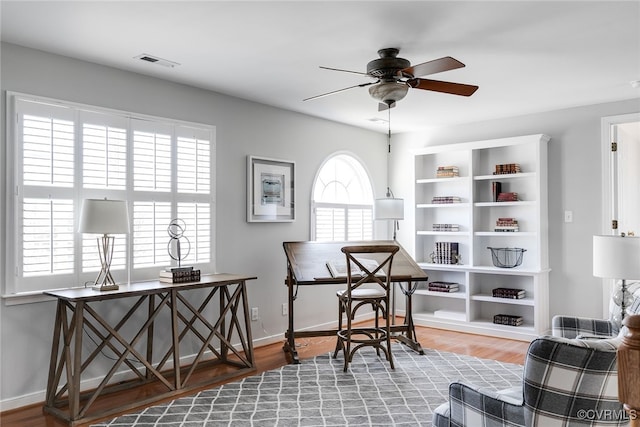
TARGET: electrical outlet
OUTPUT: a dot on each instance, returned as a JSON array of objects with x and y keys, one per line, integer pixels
[
  {"x": 568, "y": 216},
  {"x": 254, "y": 313},
  {"x": 285, "y": 309}
]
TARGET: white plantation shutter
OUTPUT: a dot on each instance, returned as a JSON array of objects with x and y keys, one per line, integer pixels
[
  {"x": 330, "y": 223},
  {"x": 342, "y": 201},
  {"x": 198, "y": 230},
  {"x": 47, "y": 237},
  {"x": 151, "y": 161},
  {"x": 360, "y": 223},
  {"x": 194, "y": 165},
  {"x": 150, "y": 237},
  {"x": 47, "y": 151},
  {"x": 104, "y": 156},
  {"x": 65, "y": 153}
]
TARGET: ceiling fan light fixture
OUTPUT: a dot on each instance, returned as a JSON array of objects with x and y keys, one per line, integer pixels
[{"x": 389, "y": 92}]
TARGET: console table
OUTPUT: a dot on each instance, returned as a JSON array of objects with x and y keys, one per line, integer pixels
[
  {"x": 306, "y": 265},
  {"x": 157, "y": 309}
]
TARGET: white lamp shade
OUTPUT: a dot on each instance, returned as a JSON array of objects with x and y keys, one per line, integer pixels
[
  {"x": 616, "y": 257},
  {"x": 102, "y": 216},
  {"x": 389, "y": 208}
]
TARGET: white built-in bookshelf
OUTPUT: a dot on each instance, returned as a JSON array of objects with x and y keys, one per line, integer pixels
[{"x": 471, "y": 221}]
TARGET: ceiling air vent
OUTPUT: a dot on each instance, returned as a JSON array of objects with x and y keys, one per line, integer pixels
[{"x": 155, "y": 60}]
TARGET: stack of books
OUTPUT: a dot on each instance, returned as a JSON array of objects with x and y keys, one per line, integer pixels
[
  {"x": 508, "y": 293},
  {"x": 507, "y": 197},
  {"x": 507, "y": 168},
  {"x": 507, "y": 319},
  {"x": 179, "y": 275},
  {"x": 446, "y": 253},
  {"x": 445, "y": 199},
  {"x": 446, "y": 227},
  {"x": 447, "y": 172},
  {"x": 443, "y": 286},
  {"x": 507, "y": 224}
]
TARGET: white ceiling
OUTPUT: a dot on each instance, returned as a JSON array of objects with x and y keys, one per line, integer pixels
[{"x": 526, "y": 57}]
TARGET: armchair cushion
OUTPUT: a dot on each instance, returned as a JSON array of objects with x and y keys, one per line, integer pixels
[{"x": 471, "y": 406}]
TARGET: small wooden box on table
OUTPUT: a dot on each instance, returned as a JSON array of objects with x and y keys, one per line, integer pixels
[{"x": 79, "y": 312}]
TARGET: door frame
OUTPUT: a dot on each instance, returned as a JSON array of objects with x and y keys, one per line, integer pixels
[{"x": 609, "y": 189}]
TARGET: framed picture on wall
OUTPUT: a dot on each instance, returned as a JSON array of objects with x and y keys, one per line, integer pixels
[{"x": 270, "y": 190}]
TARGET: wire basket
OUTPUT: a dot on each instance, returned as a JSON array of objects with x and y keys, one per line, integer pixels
[{"x": 506, "y": 257}]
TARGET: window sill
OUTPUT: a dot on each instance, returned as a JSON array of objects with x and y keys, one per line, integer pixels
[{"x": 26, "y": 298}]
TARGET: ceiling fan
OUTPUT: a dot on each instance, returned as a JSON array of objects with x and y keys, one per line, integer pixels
[{"x": 394, "y": 76}]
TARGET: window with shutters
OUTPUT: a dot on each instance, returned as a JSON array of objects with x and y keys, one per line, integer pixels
[
  {"x": 342, "y": 206},
  {"x": 60, "y": 153}
]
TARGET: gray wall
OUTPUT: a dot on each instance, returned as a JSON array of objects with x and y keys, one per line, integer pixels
[
  {"x": 242, "y": 128},
  {"x": 575, "y": 183},
  {"x": 245, "y": 128}
]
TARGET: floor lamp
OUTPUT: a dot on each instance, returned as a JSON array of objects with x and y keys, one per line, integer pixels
[
  {"x": 105, "y": 217},
  {"x": 617, "y": 257},
  {"x": 389, "y": 208}
]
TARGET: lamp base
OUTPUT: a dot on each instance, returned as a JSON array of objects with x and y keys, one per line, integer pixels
[{"x": 105, "y": 287}]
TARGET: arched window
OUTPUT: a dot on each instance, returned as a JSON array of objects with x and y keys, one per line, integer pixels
[{"x": 342, "y": 204}]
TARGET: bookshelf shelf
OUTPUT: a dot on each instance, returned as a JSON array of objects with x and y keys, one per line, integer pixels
[{"x": 477, "y": 215}]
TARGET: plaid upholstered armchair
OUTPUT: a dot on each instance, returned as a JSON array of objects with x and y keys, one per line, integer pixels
[
  {"x": 566, "y": 382},
  {"x": 583, "y": 327}
]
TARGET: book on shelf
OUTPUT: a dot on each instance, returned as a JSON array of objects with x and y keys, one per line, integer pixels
[
  {"x": 445, "y": 227},
  {"x": 507, "y": 168},
  {"x": 508, "y": 197},
  {"x": 496, "y": 188},
  {"x": 507, "y": 229},
  {"x": 506, "y": 224},
  {"x": 447, "y": 172},
  {"x": 446, "y": 253},
  {"x": 445, "y": 199},
  {"x": 508, "y": 319},
  {"x": 179, "y": 275},
  {"x": 443, "y": 286},
  {"x": 338, "y": 267},
  {"x": 508, "y": 293}
]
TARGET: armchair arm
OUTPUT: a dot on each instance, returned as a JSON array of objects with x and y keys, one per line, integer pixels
[
  {"x": 575, "y": 327},
  {"x": 477, "y": 406}
]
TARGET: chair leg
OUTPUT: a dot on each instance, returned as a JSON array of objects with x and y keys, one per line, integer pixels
[
  {"x": 377, "y": 324},
  {"x": 346, "y": 344},
  {"x": 388, "y": 331},
  {"x": 339, "y": 343}
]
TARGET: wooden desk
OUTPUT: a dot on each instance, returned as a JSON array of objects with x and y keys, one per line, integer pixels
[
  {"x": 306, "y": 265},
  {"x": 77, "y": 315}
]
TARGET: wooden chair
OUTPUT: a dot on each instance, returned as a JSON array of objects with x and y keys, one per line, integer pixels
[{"x": 376, "y": 293}]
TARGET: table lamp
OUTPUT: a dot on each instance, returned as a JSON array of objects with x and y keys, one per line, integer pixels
[
  {"x": 105, "y": 217},
  {"x": 617, "y": 257},
  {"x": 389, "y": 208}
]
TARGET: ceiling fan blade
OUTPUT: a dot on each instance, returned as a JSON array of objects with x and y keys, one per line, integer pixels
[
  {"x": 339, "y": 90},
  {"x": 445, "y": 87},
  {"x": 344, "y": 71},
  {"x": 431, "y": 67}
]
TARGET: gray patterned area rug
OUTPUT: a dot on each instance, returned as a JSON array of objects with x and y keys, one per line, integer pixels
[{"x": 318, "y": 393}]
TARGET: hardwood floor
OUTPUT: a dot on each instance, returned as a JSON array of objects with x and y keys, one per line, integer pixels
[{"x": 271, "y": 357}]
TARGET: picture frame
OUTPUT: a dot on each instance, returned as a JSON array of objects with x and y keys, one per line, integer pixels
[{"x": 270, "y": 190}]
